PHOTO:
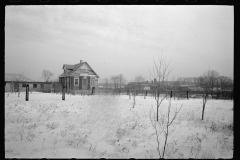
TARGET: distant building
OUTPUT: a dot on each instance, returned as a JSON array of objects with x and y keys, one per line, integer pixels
[
  {"x": 142, "y": 85},
  {"x": 168, "y": 85},
  {"x": 32, "y": 86},
  {"x": 79, "y": 78}
]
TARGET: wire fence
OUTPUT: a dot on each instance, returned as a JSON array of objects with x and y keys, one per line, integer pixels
[{"x": 176, "y": 94}]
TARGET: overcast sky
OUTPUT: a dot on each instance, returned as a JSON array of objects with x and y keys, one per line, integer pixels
[{"x": 119, "y": 39}]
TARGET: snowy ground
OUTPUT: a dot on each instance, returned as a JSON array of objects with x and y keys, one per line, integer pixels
[{"x": 108, "y": 127}]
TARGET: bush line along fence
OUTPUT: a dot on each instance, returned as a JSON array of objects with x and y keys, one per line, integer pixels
[{"x": 176, "y": 94}]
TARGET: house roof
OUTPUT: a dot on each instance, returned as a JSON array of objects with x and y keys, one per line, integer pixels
[
  {"x": 68, "y": 66},
  {"x": 74, "y": 67},
  {"x": 62, "y": 75}
]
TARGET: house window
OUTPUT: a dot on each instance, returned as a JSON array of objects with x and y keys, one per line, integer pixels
[
  {"x": 84, "y": 81},
  {"x": 34, "y": 85},
  {"x": 76, "y": 82},
  {"x": 92, "y": 82}
]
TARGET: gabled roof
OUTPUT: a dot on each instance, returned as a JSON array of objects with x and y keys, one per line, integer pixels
[
  {"x": 74, "y": 67},
  {"x": 68, "y": 66}
]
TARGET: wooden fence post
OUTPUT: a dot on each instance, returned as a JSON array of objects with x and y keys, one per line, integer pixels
[
  {"x": 27, "y": 92},
  {"x": 187, "y": 94},
  {"x": 63, "y": 93}
]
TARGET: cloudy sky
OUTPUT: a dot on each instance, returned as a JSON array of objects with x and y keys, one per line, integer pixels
[{"x": 119, "y": 39}]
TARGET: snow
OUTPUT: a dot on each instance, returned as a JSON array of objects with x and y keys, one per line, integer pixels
[{"x": 101, "y": 126}]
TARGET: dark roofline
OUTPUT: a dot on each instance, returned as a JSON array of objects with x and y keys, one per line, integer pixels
[
  {"x": 24, "y": 82},
  {"x": 76, "y": 66}
]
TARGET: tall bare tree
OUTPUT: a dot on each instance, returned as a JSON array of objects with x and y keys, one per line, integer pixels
[
  {"x": 205, "y": 85},
  {"x": 207, "y": 82},
  {"x": 46, "y": 75},
  {"x": 212, "y": 78},
  {"x": 118, "y": 81},
  {"x": 160, "y": 72},
  {"x": 115, "y": 81}
]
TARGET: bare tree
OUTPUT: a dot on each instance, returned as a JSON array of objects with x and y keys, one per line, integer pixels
[
  {"x": 46, "y": 75},
  {"x": 115, "y": 81},
  {"x": 181, "y": 81},
  {"x": 204, "y": 84},
  {"x": 12, "y": 86},
  {"x": 225, "y": 83},
  {"x": 122, "y": 81},
  {"x": 161, "y": 71},
  {"x": 118, "y": 81},
  {"x": 163, "y": 126},
  {"x": 212, "y": 77},
  {"x": 134, "y": 97},
  {"x": 18, "y": 78},
  {"x": 207, "y": 82}
]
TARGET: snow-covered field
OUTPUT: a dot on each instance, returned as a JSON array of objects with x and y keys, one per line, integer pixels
[{"x": 108, "y": 127}]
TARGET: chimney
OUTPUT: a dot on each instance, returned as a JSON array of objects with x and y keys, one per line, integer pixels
[{"x": 80, "y": 61}]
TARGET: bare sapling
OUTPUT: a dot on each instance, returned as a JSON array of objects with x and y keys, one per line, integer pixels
[
  {"x": 206, "y": 82},
  {"x": 205, "y": 99},
  {"x": 18, "y": 78},
  {"x": 134, "y": 99},
  {"x": 162, "y": 126},
  {"x": 160, "y": 73},
  {"x": 129, "y": 94}
]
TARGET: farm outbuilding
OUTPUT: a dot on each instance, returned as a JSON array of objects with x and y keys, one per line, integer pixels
[{"x": 18, "y": 81}]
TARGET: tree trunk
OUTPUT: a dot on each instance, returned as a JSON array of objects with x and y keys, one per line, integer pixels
[
  {"x": 155, "y": 94},
  {"x": 204, "y": 103},
  {"x": 18, "y": 90},
  {"x": 157, "y": 103},
  {"x": 203, "y": 111}
]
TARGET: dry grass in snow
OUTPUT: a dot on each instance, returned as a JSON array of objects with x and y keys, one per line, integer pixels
[{"x": 102, "y": 126}]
